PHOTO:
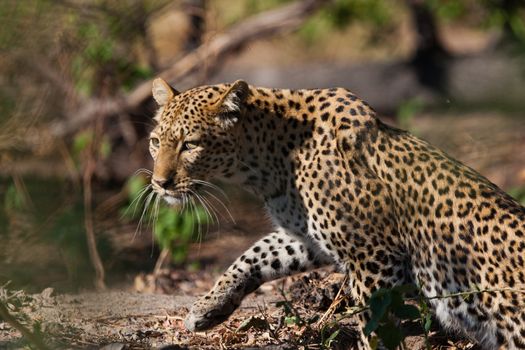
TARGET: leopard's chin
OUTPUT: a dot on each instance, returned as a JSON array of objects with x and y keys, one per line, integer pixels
[{"x": 171, "y": 200}]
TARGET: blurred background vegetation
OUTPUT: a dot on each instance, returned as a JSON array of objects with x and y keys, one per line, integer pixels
[{"x": 75, "y": 111}]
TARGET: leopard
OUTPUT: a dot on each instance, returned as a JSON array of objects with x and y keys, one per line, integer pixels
[{"x": 344, "y": 188}]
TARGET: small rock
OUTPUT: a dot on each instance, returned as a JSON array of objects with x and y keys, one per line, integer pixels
[{"x": 47, "y": 293}]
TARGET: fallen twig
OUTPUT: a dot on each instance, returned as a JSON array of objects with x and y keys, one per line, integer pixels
[{"x": 335, "y": 303}]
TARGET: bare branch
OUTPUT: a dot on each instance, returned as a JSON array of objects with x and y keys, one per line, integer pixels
[
  {"x": 210, "y": 55},
  {"x": 59, "y": 80}
]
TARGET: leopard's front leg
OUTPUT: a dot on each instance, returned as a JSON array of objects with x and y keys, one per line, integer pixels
[{"x": 274, "y": 256}]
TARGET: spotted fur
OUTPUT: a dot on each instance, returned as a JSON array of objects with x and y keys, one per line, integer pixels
[{"x": 343, "y": 188}]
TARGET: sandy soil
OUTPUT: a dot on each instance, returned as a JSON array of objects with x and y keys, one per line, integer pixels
[{"x": 292, "y": 313}]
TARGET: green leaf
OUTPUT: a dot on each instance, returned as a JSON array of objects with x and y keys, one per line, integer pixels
[
  {"x": 328, "y": 342},
  {"x": 179, "y": 254},
  {"x": 291, "y": 320},
  {"x": 397, "y": 300},
  {"x": 518, "y": 193},
  {"x": 405, "y": 288},
  {"x": 201, "y": 214},
  {"x": 518, "y": 26},
  {"x": 407, "y": 312},
  {"x": 407, "y": 111},
  {"x": 105, "y": 148},
  {"x": 390, "y": 335},
  {"x": 428, "y": 322},
  {"x": 379, "y": 302},
  {"x": 371, "y": 326},
  {"x": 13, "y": 199},
  {"x": 253, "y": 323},
  {"x": 81, "y": 141},
  {"x": 380, "y": 293},
  {"x": 134, "y": 185},
  {"x": 188, "y": 225}
]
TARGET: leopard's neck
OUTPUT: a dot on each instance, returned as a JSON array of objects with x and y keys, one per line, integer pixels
[{"x": 271, "y": 136}]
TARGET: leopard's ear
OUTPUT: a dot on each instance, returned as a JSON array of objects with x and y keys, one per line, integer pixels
[
  {"x": 231, "y": 104},
  {"x": 162, "y": 91}
]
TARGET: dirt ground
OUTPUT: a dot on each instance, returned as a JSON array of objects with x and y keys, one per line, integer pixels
[
  {"x": 291, "y": 313},
  {"x": 148, "y": 311}
]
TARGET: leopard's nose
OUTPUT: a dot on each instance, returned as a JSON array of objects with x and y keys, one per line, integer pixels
[{"x": 161, "y": 182}]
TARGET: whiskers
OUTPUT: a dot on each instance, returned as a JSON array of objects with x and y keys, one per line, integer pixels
[
  {"x": 143, "y": 171},
  {"x": 201, "y": 208},
  {"x": 143, "y": 199},
  {"x": 151, "y": 203},
  {"x": 209, "y": 201}
]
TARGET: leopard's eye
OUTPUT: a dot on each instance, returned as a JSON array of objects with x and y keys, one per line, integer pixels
[
  {"x": 155, "y": 142},
  {"x": 189, "y": 145}
]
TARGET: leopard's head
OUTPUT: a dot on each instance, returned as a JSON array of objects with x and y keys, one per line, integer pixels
[{"x": 195, "y": 136}]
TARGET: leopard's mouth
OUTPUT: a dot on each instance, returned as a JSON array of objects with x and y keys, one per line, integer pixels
[
  {"x": 172, "y": 200},
  {"x": 174, "y": 196},
  {"x": 179, "y": 191}
]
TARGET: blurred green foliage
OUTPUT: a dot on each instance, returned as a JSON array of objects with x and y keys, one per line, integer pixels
[
  {"x": 99, "y": 47},
  {"x": 505, "y": 15},
  {"x": 44, "y": 239},
  {"x": 339, "y": 13},
  {"x": 518, "y": 193},
  {"x": 110, "y": 44},
  {"x": 406, "y": 113},
  {"x": 56, "y": 229},
  {"x": 13, "y": 199},
  {"x": 173, "y": 229},
  {"x": 67, "y": 233},
  {"x": 342, "y": 12},
  {"x": 376, "y": 15},
  {"x": 449, "y": 10},
  {"x": 83, "y": 140}
]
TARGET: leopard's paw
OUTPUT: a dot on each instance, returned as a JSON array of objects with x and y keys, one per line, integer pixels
[{"x": 204, "y": 315}]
